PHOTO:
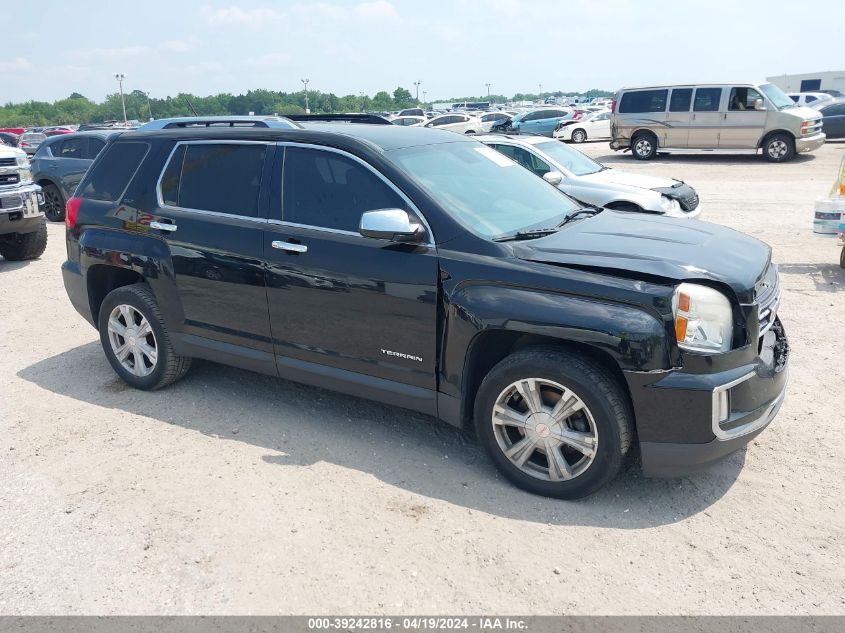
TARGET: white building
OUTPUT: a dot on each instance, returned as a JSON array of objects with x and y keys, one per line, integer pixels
[{"x": 811, "y": 82}]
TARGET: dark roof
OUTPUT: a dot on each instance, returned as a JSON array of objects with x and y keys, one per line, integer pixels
[
  {"x": 96, "y": 133},
  {"x": 380, "y": 137}
]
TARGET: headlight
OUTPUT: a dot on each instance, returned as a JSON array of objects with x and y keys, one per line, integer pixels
[
  {"x": 670, "y": 206},
  {"x": 23, "y": 161},
  {"x": 703, "y": 319}
]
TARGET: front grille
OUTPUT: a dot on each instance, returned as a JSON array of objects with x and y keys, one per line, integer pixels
[
  {"x": 689, "y": 202},
  {"x": 683, "y": 193},
  {"x": 8, "y": 162},
  {"x": 9, "y": 179},
  {"x": 768, "y": 297}
]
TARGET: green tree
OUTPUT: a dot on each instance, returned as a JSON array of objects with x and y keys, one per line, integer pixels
[
  {"x": 382, "y": 101},
  {"x": 402, "y": 98}
]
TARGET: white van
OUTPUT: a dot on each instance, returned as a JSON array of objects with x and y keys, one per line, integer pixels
[{"x": 713, "y": 117}]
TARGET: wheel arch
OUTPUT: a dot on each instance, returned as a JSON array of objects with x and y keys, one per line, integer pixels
[
  {"x": 101, "y": 279},
  {"x": 771, "y": 133}
]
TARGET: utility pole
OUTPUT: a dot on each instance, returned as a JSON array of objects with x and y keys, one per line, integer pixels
[
  {"x": 120, "y": 77},
  {"x": 305, "y": 83},
  {"x": 417, "y": 84},
  {"x": 363, "y": 95},
  {"x": 149, "y": 107}
]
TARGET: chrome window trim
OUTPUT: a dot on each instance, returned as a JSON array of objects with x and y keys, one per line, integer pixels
[
  {"x": 220, "y": 214},
  {"x": 378, "y": 174}
]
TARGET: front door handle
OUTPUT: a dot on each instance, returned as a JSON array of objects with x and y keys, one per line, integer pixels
[
  {"x": 163, "y": 226},
  {"x": 290, "y": 247}
]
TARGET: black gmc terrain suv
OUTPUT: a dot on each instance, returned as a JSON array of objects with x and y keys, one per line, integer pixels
[{"x": 425, "y": 270}]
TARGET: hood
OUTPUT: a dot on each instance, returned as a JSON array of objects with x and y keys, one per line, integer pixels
[
  {"x": 628, "y": 179},
  {"x": 654, "y": 245},
  {"x": 805, "y": 112}
]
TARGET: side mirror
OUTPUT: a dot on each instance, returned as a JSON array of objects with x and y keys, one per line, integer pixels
[
  {"x": 759, "y": 105},
  {"x": 394, "y": 225},
  {"x": 553, "y": 177}
]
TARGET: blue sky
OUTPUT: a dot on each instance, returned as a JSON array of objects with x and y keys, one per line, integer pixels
[{"x": 454, "y": 47}]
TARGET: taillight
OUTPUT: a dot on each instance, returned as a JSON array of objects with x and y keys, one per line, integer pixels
[
  {"x": 613, "y": 106},
  {"x": 71, "y": 211}
]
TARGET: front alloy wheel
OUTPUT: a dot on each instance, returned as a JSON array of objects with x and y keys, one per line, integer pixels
[{"x": 544, "y": 429}]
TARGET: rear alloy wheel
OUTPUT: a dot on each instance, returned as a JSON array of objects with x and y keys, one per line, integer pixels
[
  {"x": 579, "y": 136},
  {"x": 553, "y": 422},
  {"x": 779, "y": 148},
  {"x": 644, "y": 146},
  {"x": 54, "y": 203}
]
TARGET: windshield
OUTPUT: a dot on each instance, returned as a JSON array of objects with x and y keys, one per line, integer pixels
[
  {"x": 777, "y": 96},
  {"x": 485, "y": 191},
  {"x": 570, "y": 159}
]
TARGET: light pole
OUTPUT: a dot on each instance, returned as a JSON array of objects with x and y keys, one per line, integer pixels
[
  {"x": 417, "y": 84},
  {"x": 541, "y": 90},
  {"x": 425, "y": 100},
  {"x": 149, "y": 107},
  {"x": 305, "y": 83},
  {"x": 363, "y": 102},
  {"x": 120, "y": 77},
  {"x": 488, "y": 90}
]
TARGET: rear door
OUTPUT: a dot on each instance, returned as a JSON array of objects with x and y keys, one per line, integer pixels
[
  {"x": 212, "y": 213},
  {"x": 707, "y": 119},
  {"x": 678, "y": 118},
  {"x": 338, "y": 300},
  {"x": 743, "y": 125},
  {"x": 833, "y": 123}
]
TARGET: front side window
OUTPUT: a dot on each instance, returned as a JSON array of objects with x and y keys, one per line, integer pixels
[
  {"x": 332, "y": 191},
  {"x": 95, "y": 146},
  {"x": 525, "y": 158},
  {"x": 224, "y": 178},
  {"x": 681, "y": 100},
  {"x": 639, "y": 101},
  {"x": 707, "y": 99},
  {"x": 111, "y": 175},
  {"x": 742, "y": 99}
]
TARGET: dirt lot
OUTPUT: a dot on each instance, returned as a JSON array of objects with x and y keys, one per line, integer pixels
[{"x": 238, "y": 493}]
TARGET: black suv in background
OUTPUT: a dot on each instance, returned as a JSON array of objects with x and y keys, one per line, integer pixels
[
  {"x": 60, "y": 164},
  {"x": 422, "y": 269}
]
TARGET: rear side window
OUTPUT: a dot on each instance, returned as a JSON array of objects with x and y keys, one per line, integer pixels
[
  {"x": 72, "y": 148},
  {"x": 681, "y": 100},
  {"x": 109, "y": 179},
  {"x": 224, "y": 178},
  {"x": 328, "y": 190},
  {"x": 707, "y": 99},
  {"x": 643, "y": 101},
  {"x": 95, "y": 146}
]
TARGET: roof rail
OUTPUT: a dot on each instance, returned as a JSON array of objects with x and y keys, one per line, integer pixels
[{"x": 371, "y": 119}]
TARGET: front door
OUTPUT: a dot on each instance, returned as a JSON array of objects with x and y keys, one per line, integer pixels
[
  {"x": 342, "y": 305},
  {"x": 706, "y": 120},
  {"x": 743, "y": 124},
  {"x": 211, "y": 216}
]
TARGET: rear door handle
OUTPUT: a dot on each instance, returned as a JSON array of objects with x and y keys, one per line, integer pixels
[
  {"x": 163, "y": 226},
  {"x": 290, "y": 247}
]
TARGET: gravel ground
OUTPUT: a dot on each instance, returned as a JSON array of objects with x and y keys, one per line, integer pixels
[{"x": 234, "y": 493}]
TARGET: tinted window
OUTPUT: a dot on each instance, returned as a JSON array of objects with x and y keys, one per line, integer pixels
[
  {"x": 72, "y": 148},
  {"x": 811, "y": 98},
  {"x": 332, "y": 191},
  {"x": 742, "y": 99},
  {"x": 794, "y": 98},
  {"x": 525, "y": 158},
  {"x": 112, "y": 174},
  {"x": 170, "y": 178},
  {"x": 95, "y": 146},
  {"x": 643, "y": 101},
  {"x": 681, "y": 100},
  {"x": 707, "y": 99},
  {"x": 224, "y": 178}
]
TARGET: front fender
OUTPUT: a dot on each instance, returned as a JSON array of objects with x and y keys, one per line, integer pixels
[
  {"x": 147, "y": 256},
  {"x": 634, "y": 338}
]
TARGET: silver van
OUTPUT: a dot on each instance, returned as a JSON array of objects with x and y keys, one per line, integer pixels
[{"x": 713, "y": 117}]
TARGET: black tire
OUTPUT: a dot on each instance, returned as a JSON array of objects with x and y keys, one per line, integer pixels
[
  {"x": 20, "y": 246},
  {"x": 644, "y": 146},
  {"x": 54, "y": 203},
  {"x": 470, "y": 132},
  {"x": 168, "y": 367},
  {"x": 842, "y": 258},
  {"x": 579, "y": 135},
  {"x": 779, "y": 148},
  {"x": 597, "y": 389}
]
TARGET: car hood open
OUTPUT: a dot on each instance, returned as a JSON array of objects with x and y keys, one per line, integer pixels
[{"x": 676, "y": 250}]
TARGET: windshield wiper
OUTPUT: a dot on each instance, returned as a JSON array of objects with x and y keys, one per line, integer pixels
[
  {"x": 532, "y": 234},
  {"x": 590, "y": 211}
]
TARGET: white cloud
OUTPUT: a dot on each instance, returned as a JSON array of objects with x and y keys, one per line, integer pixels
[
  {"x": 181, "y": 45},
  {"x": 381, "y": 10},
  {"x": 374, "y": 11},
  {"x": 18, "y": 64},
  {"x": 271, "y": 60},
  {"x": 204, "y": 67},
  {"x": 234, "y": 14},
  {"x": 122, "y": 52}
]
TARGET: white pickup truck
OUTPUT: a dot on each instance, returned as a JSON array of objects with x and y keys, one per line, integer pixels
[{"x": 23, "y": 227}]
